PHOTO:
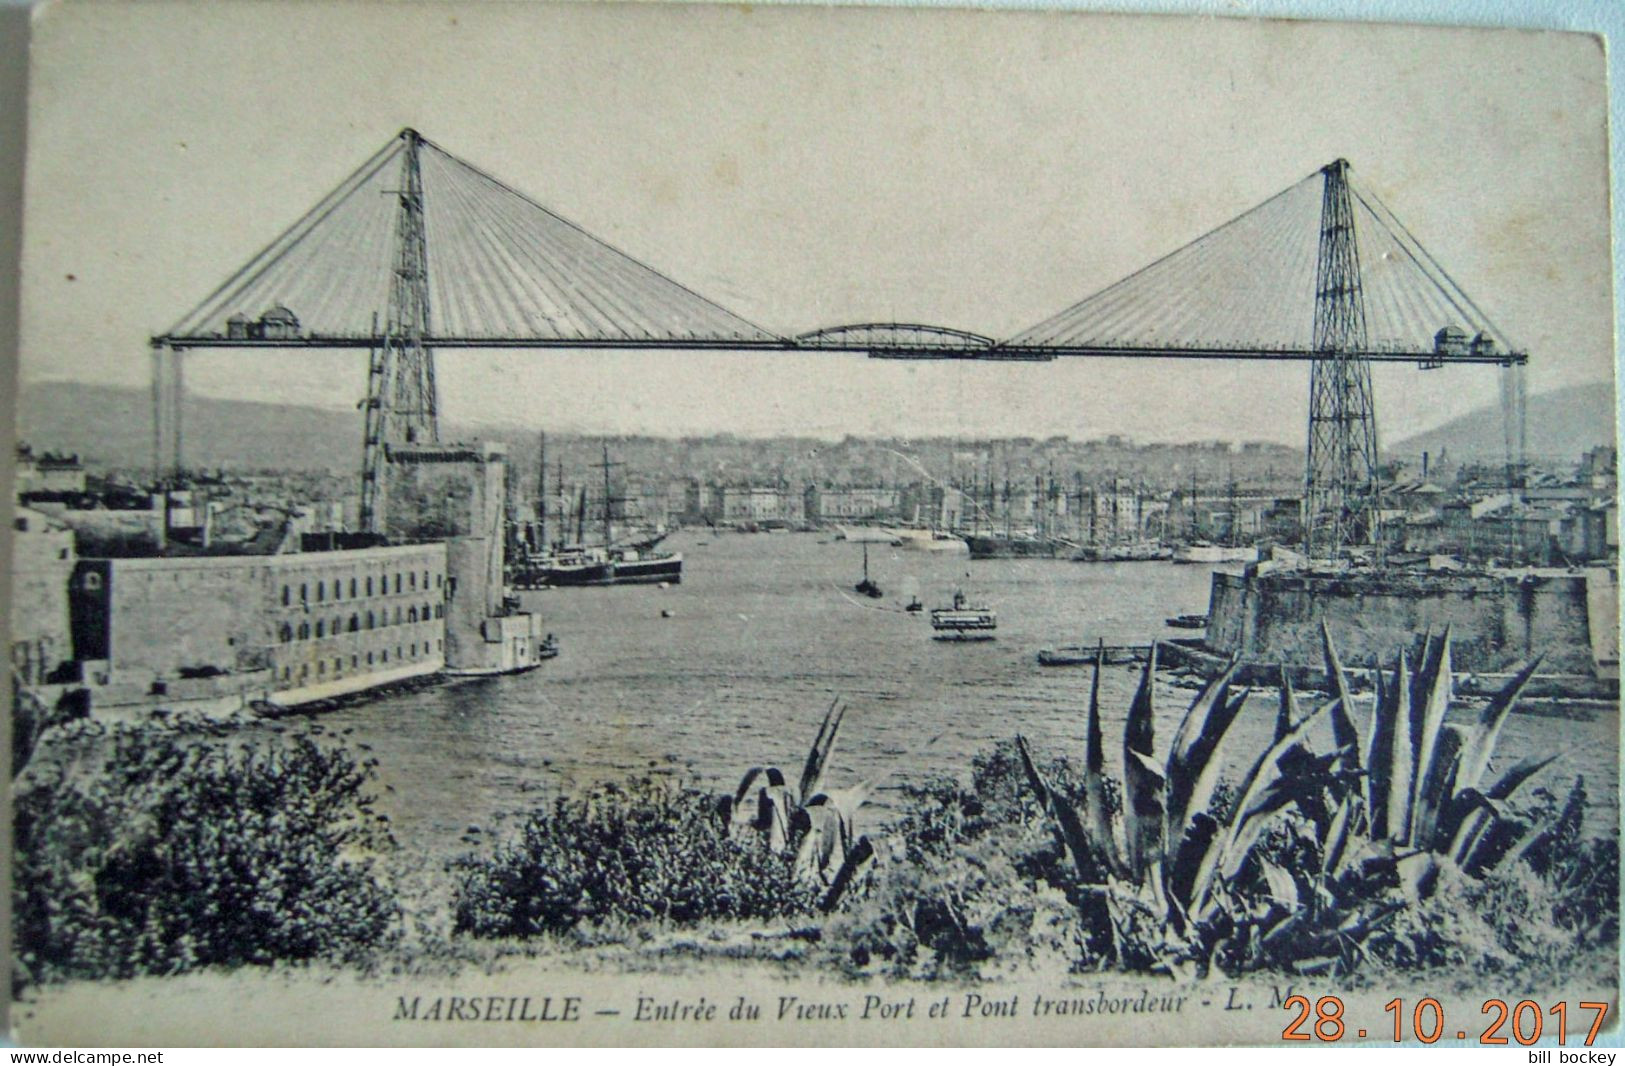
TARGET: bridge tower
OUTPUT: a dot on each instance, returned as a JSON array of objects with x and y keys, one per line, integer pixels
[
  {"x": 1341, "y": 483},
  {"x": 401, "y": 402}
]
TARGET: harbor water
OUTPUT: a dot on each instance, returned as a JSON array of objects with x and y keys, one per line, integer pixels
[{"x": 735, "y": 667}]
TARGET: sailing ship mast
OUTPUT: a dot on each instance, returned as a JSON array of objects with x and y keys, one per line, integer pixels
[
  {"x": 866, "y": 586},
  {"x": 539, "y": 542},
  {"x": 564, "y": 515},
  {"x": 610, "y": 500},
  {"x": 1040, "y": 519},
  {"x": 1007, "y": 501},
  {"x": 1232, "y": 538},
  {"x": 606, "y": 498}
]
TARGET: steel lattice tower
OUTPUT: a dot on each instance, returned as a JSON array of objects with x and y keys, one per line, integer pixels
[
  {"x": 1340, "y": 486},
  {"x": 401, "y": 402}
]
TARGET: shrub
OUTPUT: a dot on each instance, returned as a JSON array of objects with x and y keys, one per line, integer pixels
[
  {"x": 969, "y": 881},
  {"x": 647, "y": 851},
  {"x": 158, "y": 848},
  {"x": 817, "y": 825},
  {"x": 1518, "y": 921}
]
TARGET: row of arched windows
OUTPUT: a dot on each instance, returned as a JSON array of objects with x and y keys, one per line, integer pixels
[
  {"x": 359, "y": 587},
  {"x": 287, "y": 632}
]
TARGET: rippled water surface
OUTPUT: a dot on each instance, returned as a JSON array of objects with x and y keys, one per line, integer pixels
[{"x": 765, "y": 632}]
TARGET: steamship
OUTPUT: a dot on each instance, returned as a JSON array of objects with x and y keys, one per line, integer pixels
[
  {"x": 635, "y": 563},
  {"x": 597, "y": 566}
]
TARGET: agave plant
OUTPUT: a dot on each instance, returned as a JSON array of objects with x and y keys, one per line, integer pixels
[
  {"x": 1425, "y": 800},
  {"x": 1419, "y": 810},
  {"x": 1167, "y": 855},
  {"x": 1389, "y": 813},
  {"x": 816, "y": 824}
]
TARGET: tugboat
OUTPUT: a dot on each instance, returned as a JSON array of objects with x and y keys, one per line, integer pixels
[
  {"x": 962, "y": 621},
  {"x": 914, "y": 606},
  {"x": 866, "y": 586}
]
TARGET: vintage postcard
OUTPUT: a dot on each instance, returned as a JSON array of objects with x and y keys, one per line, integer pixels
[{"x": 661, "y": 524}]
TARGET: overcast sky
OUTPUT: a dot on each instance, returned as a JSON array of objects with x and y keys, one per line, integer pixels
[{"x": 808, "y": 167}]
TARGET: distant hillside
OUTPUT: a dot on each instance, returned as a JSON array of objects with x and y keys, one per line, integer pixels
[
  {"x": 1561, "y": 424},
  {"x": 113, "y": 427}
]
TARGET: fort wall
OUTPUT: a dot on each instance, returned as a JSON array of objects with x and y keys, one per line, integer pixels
[
  {"x": 1496, "y": 619},
  {"x": 289, "y": 628}
]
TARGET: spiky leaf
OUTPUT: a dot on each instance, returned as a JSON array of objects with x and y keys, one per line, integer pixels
[
  {"x": 1286, "y": 711},
  {"x": 1263, "y": 792},
  {"x": 1068, "y": 828},
  {"x": 1142, "y": 783},
  {"x": 1097, "y": 819},
  {"x": 1480, "y": 743},
  {"x": 1513, "y": 779},
  {"x": 1392, "y": 757},
  {"x": 1344, "y": 734},
  {"x": 860, "y": 853},
  {"x": 1437, "y": 785},
  {"x": 823, "y": 744},
  {"x": 1192, "y": 768},
  {"x": 1434, "y": 770}
]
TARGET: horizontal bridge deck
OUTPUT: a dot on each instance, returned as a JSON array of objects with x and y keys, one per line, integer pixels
[{"x": 922, "y": 350}]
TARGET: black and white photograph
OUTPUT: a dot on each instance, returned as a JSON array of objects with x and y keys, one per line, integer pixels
[{"x": 687, "y": 524}]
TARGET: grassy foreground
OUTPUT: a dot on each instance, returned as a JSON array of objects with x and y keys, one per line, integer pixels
[{"x": 1340, "y": 851}]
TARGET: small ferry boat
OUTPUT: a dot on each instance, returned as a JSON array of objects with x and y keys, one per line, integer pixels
[{"x": 963, "y": 621}]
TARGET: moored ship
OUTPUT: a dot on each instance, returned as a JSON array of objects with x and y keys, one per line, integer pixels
[
  {"x": 595, "y": 566},
  {"x": 632, "y": 562},
  {"x": 1090, "y": 654},
  {"x": 1204, "y": 552},
  {"x": 1225, "y": 549},
  {"x": 1016, "y": 546},
  {"x": 1140, "y": 551},
  {"x": 926, "y": 540},
  {"x": 865, "y": 534}
]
